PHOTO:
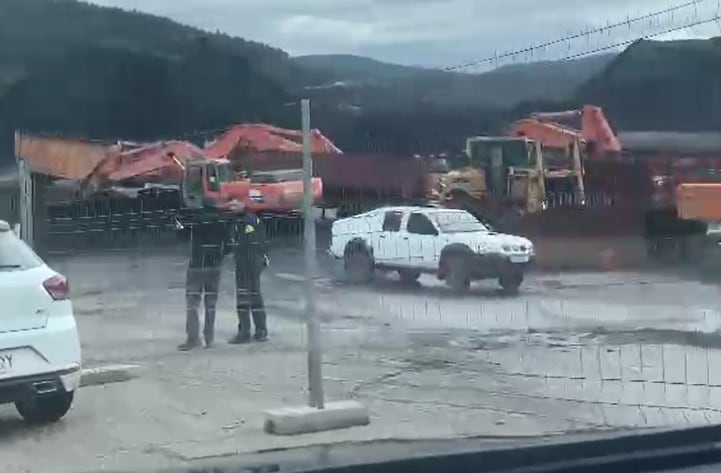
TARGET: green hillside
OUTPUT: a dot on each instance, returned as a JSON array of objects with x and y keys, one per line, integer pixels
[
  {"x": 368, "y": 82},
  {"x": 673, "y": 85},
  {"x": 74, "y": 68}
]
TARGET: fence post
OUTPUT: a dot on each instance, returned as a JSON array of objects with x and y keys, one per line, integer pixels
[
  {"x": 25, "y": 201},
  {"x": 315, "y": 376}
]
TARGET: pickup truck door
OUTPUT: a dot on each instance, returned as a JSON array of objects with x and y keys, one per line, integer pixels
[
  {"x": 423, "y": 239},
  {"x": 391, "y": 243}
]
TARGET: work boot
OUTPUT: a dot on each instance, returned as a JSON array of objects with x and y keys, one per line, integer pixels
[
  {"x": 240, "y": 338},
  {"x": 189, "y": 344},
  {"x": 209, "y": 337},
  {"x": 261, "y": 328},
  {"x": 261, "y": 336},
  {"x": 243, "y": 335}
]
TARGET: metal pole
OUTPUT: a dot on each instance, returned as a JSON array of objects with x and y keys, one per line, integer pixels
[
  {"x": 25, "y": 202},
  {"x": 315, "y": 375}
]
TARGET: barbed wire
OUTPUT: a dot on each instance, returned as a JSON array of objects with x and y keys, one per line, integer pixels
[
  {"x": 530, "y": 49},
  {"x": 619, "y": 44}
]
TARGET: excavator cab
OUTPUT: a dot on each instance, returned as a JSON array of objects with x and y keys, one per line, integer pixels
[{"x": 203, "y": 183}]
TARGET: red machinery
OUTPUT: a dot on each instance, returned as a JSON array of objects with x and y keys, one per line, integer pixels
[{"x": 553, "y": 130}]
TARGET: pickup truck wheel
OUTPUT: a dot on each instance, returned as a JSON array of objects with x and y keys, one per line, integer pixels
[
  {"x": 510, "y": 282},
  {"x": 409, "y": 276},
  {"x": 359, "y": 266},
  {"x": 457, "y": 276}
]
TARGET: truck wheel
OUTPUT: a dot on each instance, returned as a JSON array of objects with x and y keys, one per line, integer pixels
[
  {"x": 45, "y": 408},
  {"x": 359, "y": 267},
  {"x": 409, "y": 276},
  {"x": 457, "y": 276},
  {"x": 510, "y": 282}
]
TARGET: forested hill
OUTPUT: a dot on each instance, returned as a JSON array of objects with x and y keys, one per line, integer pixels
[
  {"x": 653, "y": 85},
  {"x": 78, "y": 69}
]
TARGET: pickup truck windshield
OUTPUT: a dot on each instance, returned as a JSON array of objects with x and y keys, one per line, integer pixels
[{"x": 457, "y": 222}]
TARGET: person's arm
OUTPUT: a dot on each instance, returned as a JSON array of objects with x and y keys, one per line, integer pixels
[{"x": 262, "y": 236}]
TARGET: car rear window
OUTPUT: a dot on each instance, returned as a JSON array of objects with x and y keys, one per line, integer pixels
[{"x": 15, "y": 254}]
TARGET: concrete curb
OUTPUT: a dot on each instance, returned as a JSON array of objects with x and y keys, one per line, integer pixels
[
  {"x": 299, "y": 420},
  {"x": 107, "y": 375}
]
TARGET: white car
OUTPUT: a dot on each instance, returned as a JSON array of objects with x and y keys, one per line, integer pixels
[
  {"x": 39, "y": 343},
  {"x": 452, "y": 244}
]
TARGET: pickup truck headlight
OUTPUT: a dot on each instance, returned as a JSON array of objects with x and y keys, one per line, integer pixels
[{"x": 507, "y": 248}]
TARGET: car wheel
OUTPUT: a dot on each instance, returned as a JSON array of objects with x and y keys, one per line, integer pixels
[
  {"x": 457, "y": 276},
  {"x": 510, "y": 282},
  {"x": 45, "y": 408},
  {"x": 359, "y": 266},
  {"x": 409, "y": 276}
]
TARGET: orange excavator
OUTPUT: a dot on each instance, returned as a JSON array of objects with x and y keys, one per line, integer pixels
[
  {"x": 539, "y": 162},
  {"x": 586, "y": 128},
  {"x": 267, "y": 190},
  {"x": 214, "y": 171},
  {"x": 570, "y": 141}
]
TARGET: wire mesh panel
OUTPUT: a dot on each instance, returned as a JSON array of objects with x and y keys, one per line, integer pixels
[{"x": 450, "y": 304}]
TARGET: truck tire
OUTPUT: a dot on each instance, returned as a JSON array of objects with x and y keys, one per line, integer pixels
[
  {"x": 510, "y": 281},
  {"x": 409, "y": 276},
  {"x": 358, "y": 264},
  {"x": 457, "y": 274}
]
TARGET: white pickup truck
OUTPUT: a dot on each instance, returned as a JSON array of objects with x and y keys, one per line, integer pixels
[{"x": 452, "y": 244}]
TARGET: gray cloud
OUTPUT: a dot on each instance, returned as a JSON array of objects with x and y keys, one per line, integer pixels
[{"x": 428, "y": 32}]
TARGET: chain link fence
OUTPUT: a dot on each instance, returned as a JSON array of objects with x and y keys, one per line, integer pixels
[{"x": 567, "y": 351}]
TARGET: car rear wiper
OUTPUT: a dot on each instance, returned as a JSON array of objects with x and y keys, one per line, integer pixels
[{"x": 10, "y": 266}]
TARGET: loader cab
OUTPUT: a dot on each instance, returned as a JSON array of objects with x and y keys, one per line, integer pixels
[
  {"x": 203, "y": 182},
  {"x": 499, "y": 157}
]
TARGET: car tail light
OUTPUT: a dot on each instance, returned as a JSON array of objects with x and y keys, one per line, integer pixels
[{"x": 58, "y": 287}]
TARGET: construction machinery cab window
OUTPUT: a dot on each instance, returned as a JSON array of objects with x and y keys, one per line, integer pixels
[
  {"x": 420, "y": 225},
  {"x": 214, "y": 178},
  {"x": 392, "y": 221},
  {"x": 195, "y": 180}
]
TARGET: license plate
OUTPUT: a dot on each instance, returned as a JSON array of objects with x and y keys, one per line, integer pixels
[
  {"x": 519, "y": 259},
  {"x": 6, "y": 363}
]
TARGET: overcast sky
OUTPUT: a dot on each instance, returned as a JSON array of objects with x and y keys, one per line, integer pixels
[{"x": 426, "y": 32}]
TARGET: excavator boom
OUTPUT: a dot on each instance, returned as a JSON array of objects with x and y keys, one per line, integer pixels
[{"x": 552, "y": 130}]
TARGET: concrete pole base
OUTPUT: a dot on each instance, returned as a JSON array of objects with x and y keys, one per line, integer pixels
[{"x": 300, "y": 420}]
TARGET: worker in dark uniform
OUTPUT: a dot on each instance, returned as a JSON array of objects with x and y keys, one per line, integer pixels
[
  {"x": 209, "y": 243},
  {"x": 250, "y": 252}
]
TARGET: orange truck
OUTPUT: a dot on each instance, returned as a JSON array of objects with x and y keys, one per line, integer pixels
[{"x": 699, "y": 201}]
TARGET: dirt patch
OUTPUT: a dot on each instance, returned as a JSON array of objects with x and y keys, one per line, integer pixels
[{"x": 595, "y": 254}]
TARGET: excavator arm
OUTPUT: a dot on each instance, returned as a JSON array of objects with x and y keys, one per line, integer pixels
[{"x": 552, "y": 130}]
